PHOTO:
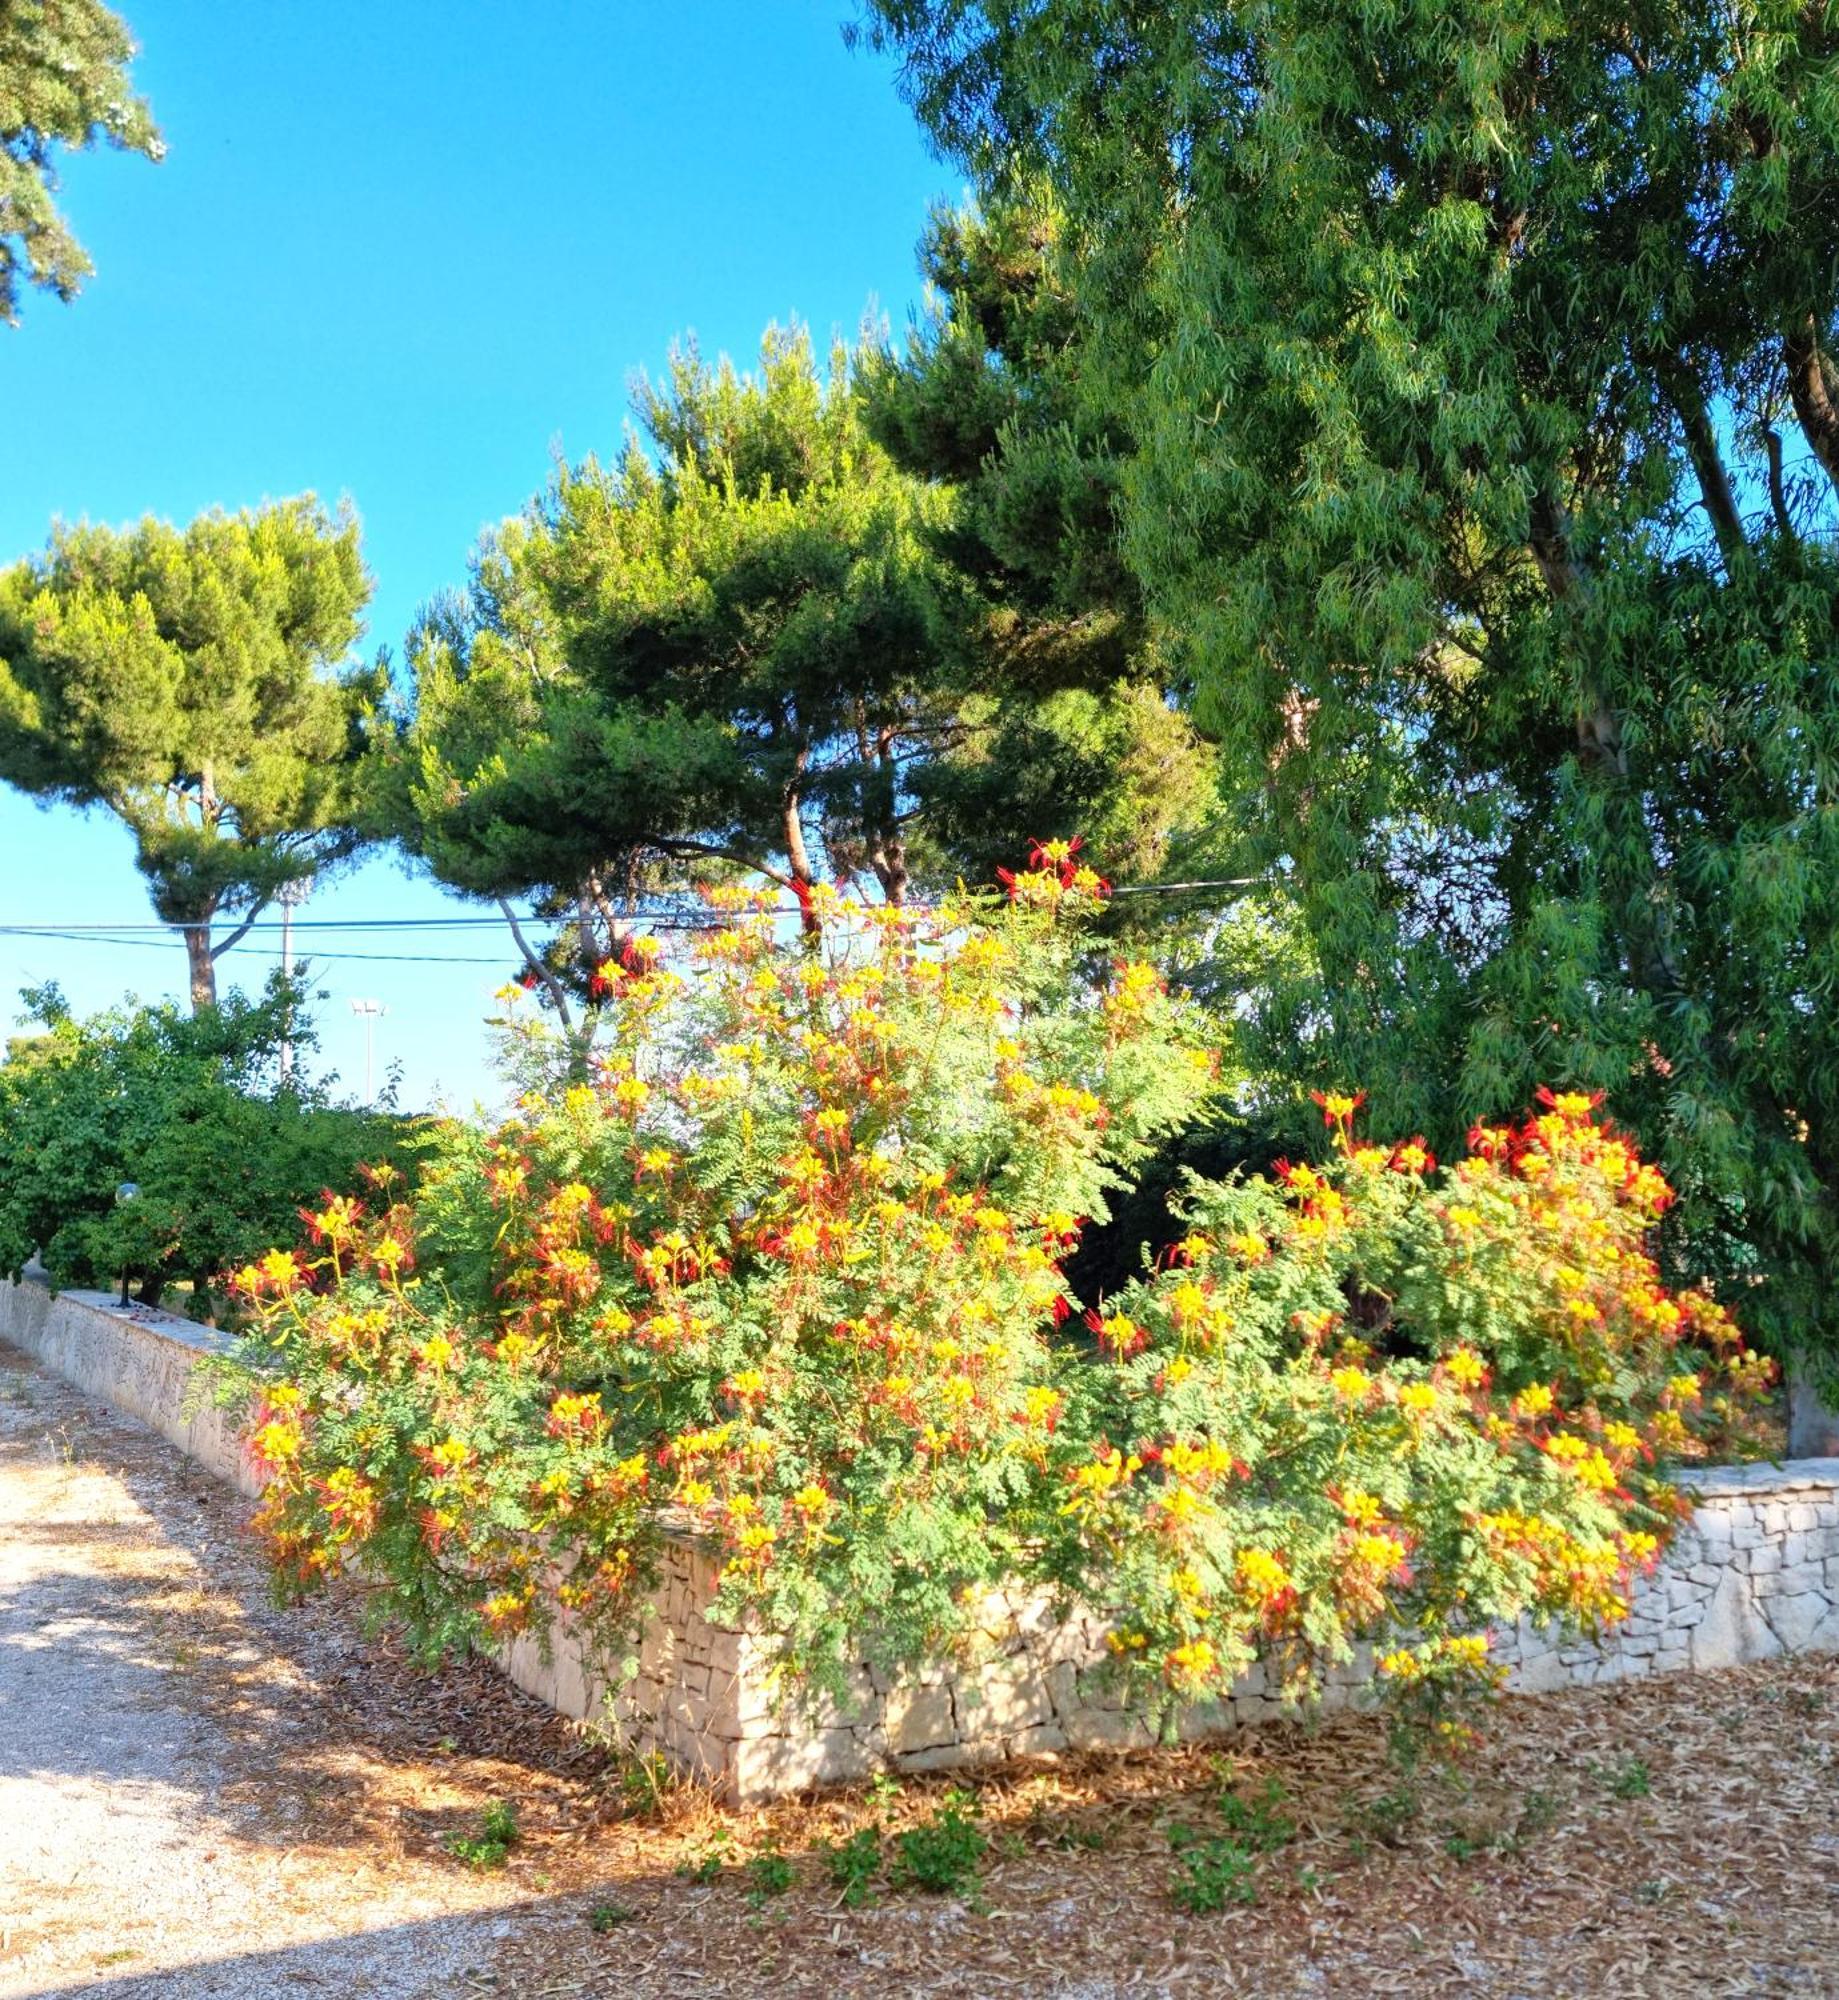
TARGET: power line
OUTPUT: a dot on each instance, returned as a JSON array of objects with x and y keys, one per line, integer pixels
[{"x": 661, "y": 920}]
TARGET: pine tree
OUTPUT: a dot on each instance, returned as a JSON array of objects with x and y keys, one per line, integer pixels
[
  {"x": 63, "y": 82},
  {"x": 196, "y": 684},
  {"x": 758, "y": 642}
]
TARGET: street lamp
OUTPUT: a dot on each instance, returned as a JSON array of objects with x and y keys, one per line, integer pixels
[{"x": 369, "y": 1010}]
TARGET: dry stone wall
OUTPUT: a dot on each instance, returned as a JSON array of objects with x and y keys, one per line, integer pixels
[{"x": 1755, "y": 1574}]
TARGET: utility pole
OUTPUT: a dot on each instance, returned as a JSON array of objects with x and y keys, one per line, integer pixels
[
  {"x": 369, "y": 1010},
  {"x": 291, "y": 895}
]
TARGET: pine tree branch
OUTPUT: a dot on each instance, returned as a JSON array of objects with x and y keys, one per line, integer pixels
[{"x": 552, "y": 985}]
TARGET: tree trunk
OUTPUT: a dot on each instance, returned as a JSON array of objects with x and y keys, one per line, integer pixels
[
  {"x": 1810, "y": 388},
  {"x": 203, "y": 965},
  {"x": 1813, "y": 1424}
]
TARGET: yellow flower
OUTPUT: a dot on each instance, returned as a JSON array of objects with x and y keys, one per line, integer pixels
[
  {"x": 1466, "y": 1368},
  {"x": 1417, "y": 1399},
  {"x": 1351, "y": 1384},
  {"x": 1378, "y": 1552},
  {"x": 1192, "y": 1663},
  {"x": 1534, "y": 1401},
  {"x": 280, "y": 1269},
  {"x": 1684, "y": 1388},
  {"x": 1261, "y": 1575}
]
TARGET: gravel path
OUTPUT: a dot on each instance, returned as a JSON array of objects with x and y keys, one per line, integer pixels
[{"x": 192, "y": 1803}]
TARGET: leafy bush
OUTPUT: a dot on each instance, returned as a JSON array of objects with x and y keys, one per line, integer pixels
[
  {"x": 185, "y": 1107},
  {"x": 786, "y": 1271}
]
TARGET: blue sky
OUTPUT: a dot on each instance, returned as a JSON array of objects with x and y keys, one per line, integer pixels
[{"x": 399, "y": 254}]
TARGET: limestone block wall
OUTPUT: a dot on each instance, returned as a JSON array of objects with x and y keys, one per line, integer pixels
[{"x": 1755, "y": 1574}]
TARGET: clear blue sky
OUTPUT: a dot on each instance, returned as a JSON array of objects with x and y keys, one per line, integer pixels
[{"x": 399, "y": 253}]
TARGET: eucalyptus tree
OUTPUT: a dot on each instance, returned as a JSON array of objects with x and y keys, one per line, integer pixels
[
  {"x": 1480, "y": 365},
  {"x": 199, "y": 685}
]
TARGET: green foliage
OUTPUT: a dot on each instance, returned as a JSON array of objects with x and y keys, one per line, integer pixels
[
  {"x": 769, "y": 1873},
  {"x": 1474, "y": 374},
  {"x": 941, "y": 1854},
  {"x": 1211, "y": 1873},
  {"x": 852, "y": 1866},
  {"x": 491, "y": 1846},
  {"x": 604, "y": 1918},
  {"x": 63, "y": 83},
  {"x": 758, "y": 641},
  {"x": 193, "y": 683},
  {"x": 1631, "y": 1779},
  {"x": 188, "y": 1109},
  {"x": 1257, "y": 1819}
]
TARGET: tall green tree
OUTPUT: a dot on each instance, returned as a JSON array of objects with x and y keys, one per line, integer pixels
[
  {"x": 1478, "y": 359},
  {"x": 63, "y": 83},
  {"x": 198, "y": 684},
  {"x": 1075, "y": 732},
  {"x": 755, "y": 643}
]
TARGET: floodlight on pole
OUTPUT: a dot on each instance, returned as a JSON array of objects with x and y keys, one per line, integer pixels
[{"x": 369, "y": 1010}]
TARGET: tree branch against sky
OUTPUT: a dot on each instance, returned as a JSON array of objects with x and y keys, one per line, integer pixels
[{"x": 63, "y": 84}]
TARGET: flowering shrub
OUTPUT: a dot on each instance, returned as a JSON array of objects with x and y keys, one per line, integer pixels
[
  {"x": 1365, "y": 1400},
  {"x": 786, "y": 1272}
]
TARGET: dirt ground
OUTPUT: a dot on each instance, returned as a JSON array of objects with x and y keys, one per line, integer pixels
[{"x": 208, "y": 1798}]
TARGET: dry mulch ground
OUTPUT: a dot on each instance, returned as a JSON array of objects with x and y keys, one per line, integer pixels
[{"x": 206, "y": 1797}]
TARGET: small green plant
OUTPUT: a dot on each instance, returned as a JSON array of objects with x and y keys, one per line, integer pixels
[
  {"x": 1255, "y": 1820},
  {"x": 1631, "y": 1779},
  {"x": 644, "y": 1784},
  {"x": 853, "y": 1864},
  {"x": 491, "y": 1846},
  {"x": 1656, "y": 1891},
  {"x": 1211, "y": 1873},
  {"x": 605, "y": 1917},
  {"x": 942, "y": 1854},
  {"x": 769, "y": 1873},
  {"x": 1466, "y": 1846},
  {"x": 1090, "y": 1839},
  {"x": 1388, "y": 1817},
  {"x": 707, "y": 1869}
]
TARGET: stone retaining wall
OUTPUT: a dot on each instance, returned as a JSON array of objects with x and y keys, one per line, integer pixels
[{"x": 1755, "y": 1574}]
